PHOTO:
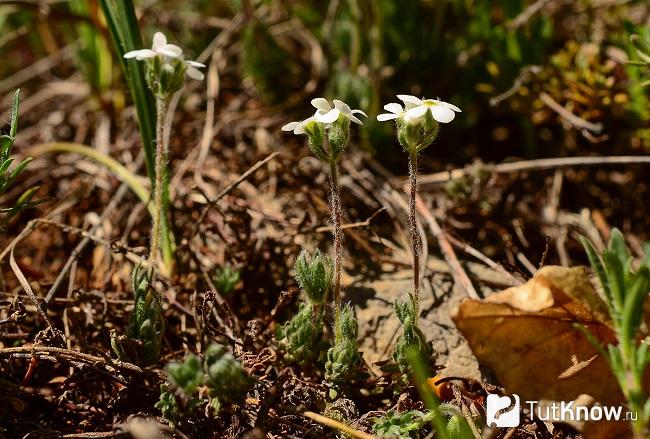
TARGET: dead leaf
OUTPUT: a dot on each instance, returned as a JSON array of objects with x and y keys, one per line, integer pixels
[{"x": 526, "y": 335}]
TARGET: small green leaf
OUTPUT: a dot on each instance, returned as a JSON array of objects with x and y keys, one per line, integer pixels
[{"x": 14, "y": 115}]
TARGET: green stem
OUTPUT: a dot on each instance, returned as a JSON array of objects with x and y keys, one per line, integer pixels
[
  {"x": 161, "y": 157},
  {"x": 337, "y": 232},
  {"x": 413, "y": 223}
]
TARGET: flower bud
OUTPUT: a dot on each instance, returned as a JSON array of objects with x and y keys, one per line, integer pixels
[
  {"x": 412, "y": 337},
  {"x": 314, "y": 274},
  {"x": 143, "y": 339},
  {"x": 302, "y": 336},
  {"x": 343, "y": 357},
  {"x": 187, "y": 375},
  {"x": 225, "y": 376}
]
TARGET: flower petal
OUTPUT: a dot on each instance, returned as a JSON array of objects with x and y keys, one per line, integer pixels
[
  {"x": 359, "y": 112},
  {"x": 442, "y": 113},
  {"x": 171, "y": 50},
  {"x": 328, "y": 117},
  {"x": 355, "y": 119},
  {"x": 195, "y": 73},
  {"x": 393, "y": 108},
  {"x": 409, "y": 99},
  {"x": 194, "y": 63},
  {"x": 447, "y": 104},
  {"x": 131, "y": 54},
  {"x": 140, "y": 54},
  {"x": 159, "y": 40},
  {"x": 387, "y": 116},
  {"x": 321, "y": 104},
  {"x": 416, "y": 112},
  {"x": 342, "y": 107},
  {"x": 290, "y": 126}
]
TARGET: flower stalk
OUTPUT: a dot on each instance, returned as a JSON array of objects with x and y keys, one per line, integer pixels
[
  {"x": 413, "y": 225},
  {"x": 337, "y": 233},
  {"x": 328, "y": 134},
  {"x": 162, "y": 148},
  {"x": 418, "y": 123},
  {"x": 165, "y": 72}
]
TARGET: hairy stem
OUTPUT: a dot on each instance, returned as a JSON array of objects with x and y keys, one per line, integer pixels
[
  {"x": 413, "y": 224},
  {"x": 161, "y": 162},
  {"x": 337, "y": 232}
]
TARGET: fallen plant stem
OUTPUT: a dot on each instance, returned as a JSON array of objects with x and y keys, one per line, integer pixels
[
  {"x": 119, "y": 170},
  {"x": 457, "y": 270},
  {"x": 227, "y": 189},
  {"x": 124, "y": 175},
  {"x": 364, "y": 223},
  {"x": 574, "y": 120},
  {"x": 329, "y": 422},
  {"x": 76, "y": 252},
  {"x": 533, "y": 165},
  {"x": 74, "y": 355}
]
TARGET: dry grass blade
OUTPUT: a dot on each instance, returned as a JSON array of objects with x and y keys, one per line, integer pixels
[{"x": 337, "y": 425}]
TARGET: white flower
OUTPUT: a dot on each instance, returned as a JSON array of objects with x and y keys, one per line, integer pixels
[
  {"x": 442, "y": 112},
  {"x": 298, "y": 127},
  {"x": 326, "y": 114},
  {"x": 161, "y": 48},
  {"x": 158, "y": 48}
]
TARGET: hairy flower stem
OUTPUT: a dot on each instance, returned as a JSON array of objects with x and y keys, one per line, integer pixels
[
  {"x": 337, "y": 232},
  {"x": 413, "y": 223},
  {"x": 161, "y": 162}
]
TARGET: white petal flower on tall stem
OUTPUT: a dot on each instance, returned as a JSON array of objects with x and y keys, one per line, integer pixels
[
  {"x": 168, "y": 52},
  {"x": 160, "y": 47},
  {"x": 327, "y": 113},
  {"x": 441, "y": 111}
]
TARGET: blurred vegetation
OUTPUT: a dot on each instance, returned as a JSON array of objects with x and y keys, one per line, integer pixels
[{"x": 493, "y": 59}]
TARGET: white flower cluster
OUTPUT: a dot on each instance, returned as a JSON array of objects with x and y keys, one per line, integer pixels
[
  {"x": 325, "y": 113},
  {"x": 160, "y": 48},
  {"x": 414, "y": 108}
]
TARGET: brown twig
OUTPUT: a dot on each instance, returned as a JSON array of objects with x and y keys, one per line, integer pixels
[
  {"x": 74, "y": 255},
  {"x": 574, "y": 120},
  {"x": 483, "y": 258},
  {"x": 457, "y": 270},
  {"x": 364, "y": 223},
  {"x": 533, "y": 165},
  {"x": 231, "y": 186},
  {"x": 45, "y": 351}
]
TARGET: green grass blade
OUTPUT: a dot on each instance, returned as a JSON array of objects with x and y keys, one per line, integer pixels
[
  {"x": 420, "y": 376},
  {"x": 125, "y": 33}
]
